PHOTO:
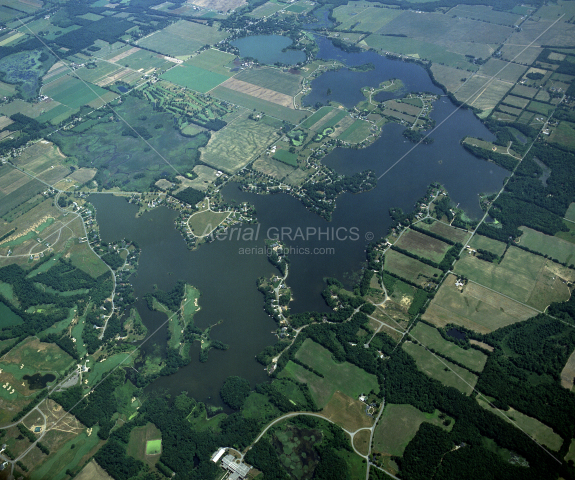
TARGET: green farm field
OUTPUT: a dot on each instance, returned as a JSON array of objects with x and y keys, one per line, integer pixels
[
  {"x": 146, "y": 60},
  {"x": 423, "y": 245},
  {"x": 563, "y": 134},
  {"x": 476, "y": 308},
  {"x": 261, "y": 105},
  {"x": 72, "y": 92},
  {"x": 286, "y": 157},
  {"x": 235, "y": 146},
  {"x": 363, "y": 17},
  {"x": 502, "y": 70},
  {"x": 272, "y": 78},
  {"x": 486, "y": 243},
  {"x": 552, "y": 246},
  {"x": 446, "y": 372},
  {"x": 203, "y": 223},
  {"x": 267, "y": 9},
  {"x": 213, "y": 60},
  {"x": 430, "y": 337},
  {"x": 446, "y": 231},
  {"x": 194, "y": 78},
  {"x": 570, "y": 214},
  {"x": 514, "y": 101},
  {"x": 409, "y": 268},
  {"x": 398, "y": 425},
  {"x": 316, "y": 117},
  {"x": 345, "y": 377},
  {"x": 358, "y": 132},
  {"x": 482, "y": 92}
]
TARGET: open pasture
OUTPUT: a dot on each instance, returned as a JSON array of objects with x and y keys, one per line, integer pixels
[
  {"x": 552, "y": 246},
  {"x": 213, "y": 60},
  {"x": 260, "y": 104},
  {"x": 446, "y": 231},
  {"x": 357, "y": 132},
  {"x": 542, "y": 108},
  {"x": 568, "y": 372},
  {"x": 450, "y": 77},
  {"x": 502, "y": 70},
  {"x": 347, "y": 412},
  {"x": 39, "y": 157},
  {"x": 272, "y": 79},
  {"x": 430, "y": 337},
  {"x": 563, "y": 134},
  {"x": 144, "y": 61},
  {"x": 364, "y": 17},
  {"x": 476, "y": 308},
  {"x": 514, "y": 101},
  {"x": 233, "y": 147},
  {"x": 570, "y": 214},
  {"x": 486, "y": 243},
  {"x": 194, "y": 78},
  {"x": 485, "y": 14},
  {"x": 267, "y": 9},
  {"x": 74, "y": 93},
  {"x": 203, "y": 223},
  {"x": 482, "y": 92},
  {"x": 398, "y": 425},
  {"x": 345, "y": 377},
  {"x": 524, "y": 91},
  {"x": 269, "y": 166},
  {"x": 32, "y": 110},
  {"x": 423, "y": 245},
  {"x": 447, "y": 373},
  {"x": 259, "y": 92},
  {"x": 20, "y": 199},
  {"x": 145, "y": 441},
  {"x": 39, "y": 356},
  {"x": 205, "y": 177},
  {"x": 93, "y": 471},
  {"x": 409, "y": 268},
  {"x": 182, "y": 38}
]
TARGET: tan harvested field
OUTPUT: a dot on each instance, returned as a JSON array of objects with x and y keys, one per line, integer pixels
[
  {"x": 53, "y": 175},
  {"x": 93, "y": 471},
  {"x": 39, "y": 157},
  {"x": 520, "y": 53},
  {"x": 4, "y": 122},
  {"x": 206, "y": 176},
  {"x": 347, "y": 412},
  {"x": 124, "y": 54},
  {"x": 423, "y": 245},
  {"x": 259, "y": 92},
  {"x": 476, "y": 308},
  {"x": 568, "y": 372},
  {"x": 559, "y": 35},
  {"x": 223, "y": 5},
  {"x": 109, "y": 79},
  {"x": 13, "y": 180},
  {"x": 482, "y": 345}
]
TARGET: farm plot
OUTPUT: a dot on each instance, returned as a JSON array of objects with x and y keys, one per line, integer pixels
[
  {"x": 260, "y": 104},
  {"x": 524, "y": 91},
  {"x": 430, "y": 337},
  {"x": 485, "y": 14},
  {"x": 272, "y": 79},
  {"x": 486, "y": 243},
  {"x": 347, "y": 412},
  {"x": 182, "y": 38},
  {"x": 482, "y": 92},
  {"x": 212, "y": 60},
  {"x": 364, "y": 19},
  {"x": 74, "y": 93},
  {"x": 259, "y": 92},
  {"x": 233, "y": 147},
  {"x": 267, "y": 9},
  {"x": 568, "y": 372},
  {"x": 38, "y": 356},
  {"x": 194, "y": 78},
  {"x": 523, "y": 276},
  {"x": 358, "y": 132},
  {"x": 446, "y": 231},
  {"x": 39, "y": 157},
  {"x": 502, "y": 70},
  {"x": 205, "y": 177},
  {"x": 450, "y": 77},
  {"x": 564, "y": 134},
  {"x": 344, "y": 377},
  {"x": 141, "y": 444},
  {"x": 423, "y": 245},
  {"x": 143, "y": 60},
  {"x": 269, "y": 166},
  {"x": 447, "y": 373},
  {"x": 95, "y": 75},
  {"x": 409, "y": 268},
  {"x": 475, "y": 308},
  {"x": 552, "y": 246},
  {"x": 514, "y": 101},
  {"x": 398, "y": 425}
]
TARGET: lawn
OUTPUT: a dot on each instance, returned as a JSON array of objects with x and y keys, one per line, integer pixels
[
  {"x": 423, "y": 245},
  {"x": 203, "y": 223},
  {"x": 153, "y": 447},
  {"x": 447, "y": 373},
  {"x": 430, "y": 337},
  {"x": 409, "y": 268},
  {"x": 398, "y": 425},
  {"x": 193, "y": 77},
  {"x": 477, "y": 308},
  {"x": 486, "y": 243},
  {"x": 552, "y": 246},
  {"x": 539, "y": 431},
  {"x": 345, "y": 377}
]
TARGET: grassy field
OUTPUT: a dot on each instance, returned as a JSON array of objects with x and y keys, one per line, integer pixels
[
  {"x": 203, "y": 223},
  {"x": 430, "y": 337},
  {"x": 409, "y": 268},
  {"x": 482, "y": 92},
  {"x": 447, "y": 231},
  {"x": 345, "y": 377},
  {"x": 523, "y": 276},
  {"x": 361, "y": 441},
  {"x": 145, "y": 442},
  {"x": 485, "y": 14},
  {"x": 212, "y": 60},
  {"x": 39, "y": 356},
  {"x": 235, "y": 146},
  {"x": 74, "y": 93},
  {"x": 423, "y": 245},
  {"x": 515, "y": 101},
  {"x": 93, "y": 471},
  {"x": 570, "y": 214},
  {"x": 286, "y": 157},
  {"x": 563, "y": 134},
  {"x": 273, "y": 79},
  {"x": 539, "y": 431},
  {"x": 317, "y": 116},
  {"x": 552, "y": 246},
  {"x": 363, "y": 16},
  {"x": 100, "y": 368},
  {"x": 269, "y": 166},
  {"x": 502, "y": 70},
  {"x": 486, "y": 243},
  {"x": 347, "y": 412},
  {"x": 267, "y": 9},
  {"x": 477, "y": 308},
  {"x": 358, "y": 132},
  {"x": 193, "y": 77},
  {"x": 153, "y": 447},
  {"x": 446, "y": 372},
  {"x": 398, "y": 425}
]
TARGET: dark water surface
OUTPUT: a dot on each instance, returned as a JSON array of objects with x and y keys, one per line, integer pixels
[
  {"x": 268, "y": 49},
  {"x": 38, "y": 380},
  {"x": 226, "y": 270}
]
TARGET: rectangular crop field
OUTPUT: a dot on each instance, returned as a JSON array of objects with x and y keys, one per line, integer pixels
[
  {"x": 502, "y": 70},
  {"x": 552, "y": 246},
  {"x": 261, "y": 105},
  {"x": 435, "y": 367},
  {"x": 482, "y": 92},
  {"x": 485, "y": 14},
  {"x": 476, "y": 308},
  {"x": 523, "y": 91},
  {"x": 398, "y": 425},
  {"x": 73, "y": 92},
  {"x": 267, "y": 9},
  {"x": 145, "y": 60},
  {"x": 430, "y": 337},
  {"x": 368, "y": 19},
  {"x": 563, "y": 134},
  {"x": 213, "y": 60},
  {"x": 486, "y": 243},
  {"x": 233, "y": 147},
  {"x": 345, "y": 377},
  {"x": 409, "y": 268},
  {"x": 272, "y": 79},
  {"x": 514, "y": 101},
  {"x": 194, "y": 78},
  {"x": 286, "y": 157},
  {"x": 447, "y": 231},
  {"x": 259, "y": 92},
  {"x": 358, "y": 132},
  {"x": 423, "y": 245}
]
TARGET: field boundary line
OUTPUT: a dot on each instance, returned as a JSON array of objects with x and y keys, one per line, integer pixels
[{"x": 469, "y": 98}]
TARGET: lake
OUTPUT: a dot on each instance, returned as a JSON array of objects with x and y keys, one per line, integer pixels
[
  {"x": 268, "y": 49},
  {"x": 226, "y": 275}
]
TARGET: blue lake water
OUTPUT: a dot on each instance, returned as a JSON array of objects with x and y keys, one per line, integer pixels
[{"x": 268, "y": 49}]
